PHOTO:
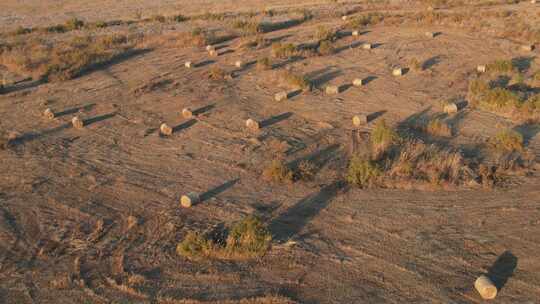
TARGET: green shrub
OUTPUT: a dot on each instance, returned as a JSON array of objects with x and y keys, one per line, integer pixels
[
  {"x": 501, "y": 66},
  {"x": 249, "y": 237},
  {"x": 363, "y": 172},
  {"x": 325, "y": 33},
  {"x": 383, "y": 136},
  {"x": 194, "y": 245},
  {"x": 507, "y": 141}
]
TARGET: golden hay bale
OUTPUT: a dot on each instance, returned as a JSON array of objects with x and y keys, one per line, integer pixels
[
  {"x": 358, "y": 82},
  {"x": 189, "y": 199},
  {"x": 332, "y": 90},
  {"x": 367, "y": 46},
  {"x": 166, "y": 130},
  {"x": 252, "y": 124},
  {"x": 397, "y": 72},
  {"x": 77, "y": 122},
  {"x": 485, "y": 287},
  {"x": 450, "y": 108},
  {"x": 187, "y": 113},
  {"x": 359, "y": 120},
  {"x": 281, "y": 96},
  {"x": 48, "y": 113}
]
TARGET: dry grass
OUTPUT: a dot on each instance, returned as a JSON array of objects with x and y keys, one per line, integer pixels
[
  {"x": 437, "y": 127},
  {"x": 277, "y": 171},
  {"x": 65, "y": 59},
  {"x": 284, "y": 51},
  {"x": 293, "y": 80},
  {"x": 507, "y": 141},
  {"x": 257, "y": 300},
  {"x": 264, "y": 64}
]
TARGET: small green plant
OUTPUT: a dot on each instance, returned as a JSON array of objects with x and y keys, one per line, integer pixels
[
  {"x": 179, "y": 18},
  {"x": 363, "y": 172},
  {"x": 278, "y": 171},
  {"x": 248, "y": 238},
  {"x": 507, "y": 141},
  {"x": 382, "y": 137}
]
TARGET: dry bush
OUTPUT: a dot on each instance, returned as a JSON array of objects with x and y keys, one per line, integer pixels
[
  {"x": 369, "y": 19},
  {"x": 382, "y": 138},
  {"x": 501, "y": 66},
  {"x": 217, "y": 73},
  {"x": 197, "y": 37},
  {"x": 437, "y": 127},
  {"x": 415, "y": 64},
  {"x": 278, "y": 171},
  {"x": 517, "y": 101},
  {"x": 326, "y": 48},
  {"x": 62, "y": 60},
  {"x": 247, "y": 27},
  {"x": 264, "y": 64},
  {"x": 294, "y": 80},
  {"x": 507, "y": 141},
  {"x": 195, "y": 245},
  {"x": 325, "y": 33},
  {"x": 284, "y": 51},
  {"x": 248, "y": 238},
  {"x": 257, "y": 300},
  {"x": 257, "y": 42},
  {"x": 306, "y": 170}
]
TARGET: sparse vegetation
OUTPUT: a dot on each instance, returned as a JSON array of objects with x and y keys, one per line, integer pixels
[
  {"x": 248, "y": 238},
  {"x": 382, "y": 137},
  {"x": 294, "y": 80},
  {"x": 437, "y": 127},
  {"x": 62, "y": 60},
  {"x": 217, "y": 73},
  {"x": 326, "y": 48},
  {"x": 284, "y": 51},
  {"x": 507, "y": 141},
  {"x": 363, "y": 172},
  {"x": 264, "y": 64},
  {"x": 278, "y": 171}
]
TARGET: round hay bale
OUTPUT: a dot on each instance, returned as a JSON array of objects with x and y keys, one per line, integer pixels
[
  {"x": 359, "y": 120},
  {"x": 252, "y": 124},
  {"x": 358, "y": 82},
  {"x": 367, "y": 46},
  {"x": 332, "y": 90},
  {"x": 356, "y": 33},
  {"x": 397, "y": 72},
  {"x": 481, "y": 69},
  {"x": 213, "y": 53},
  {"x": 77, "y": 122},
  {"x": 188, "y": 64},
  {"x": 189, "y": 199},
  {"x": 485, "y": 287},
  {"x": 210, "y": 48},
  {"x": 281, "y": 96},
  {"x": 166, "y": 130},
  {"x": 187, "y": 113},
  {"x": 239, "y": 64},
  {"x": 48, "y": 113},
  {"x": 450, "y": 108},
  {"x": 344, "y": 18},
  {"x": 430, "y": 34}
]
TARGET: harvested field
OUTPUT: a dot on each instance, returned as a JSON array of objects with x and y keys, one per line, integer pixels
[{"x": 411, "y": 204}]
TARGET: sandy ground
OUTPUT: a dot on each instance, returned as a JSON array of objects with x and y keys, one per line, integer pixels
[{"x": 347, "y": 245}]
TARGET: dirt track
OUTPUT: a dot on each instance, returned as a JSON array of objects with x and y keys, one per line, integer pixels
[{"x": 332, "y": 243}]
